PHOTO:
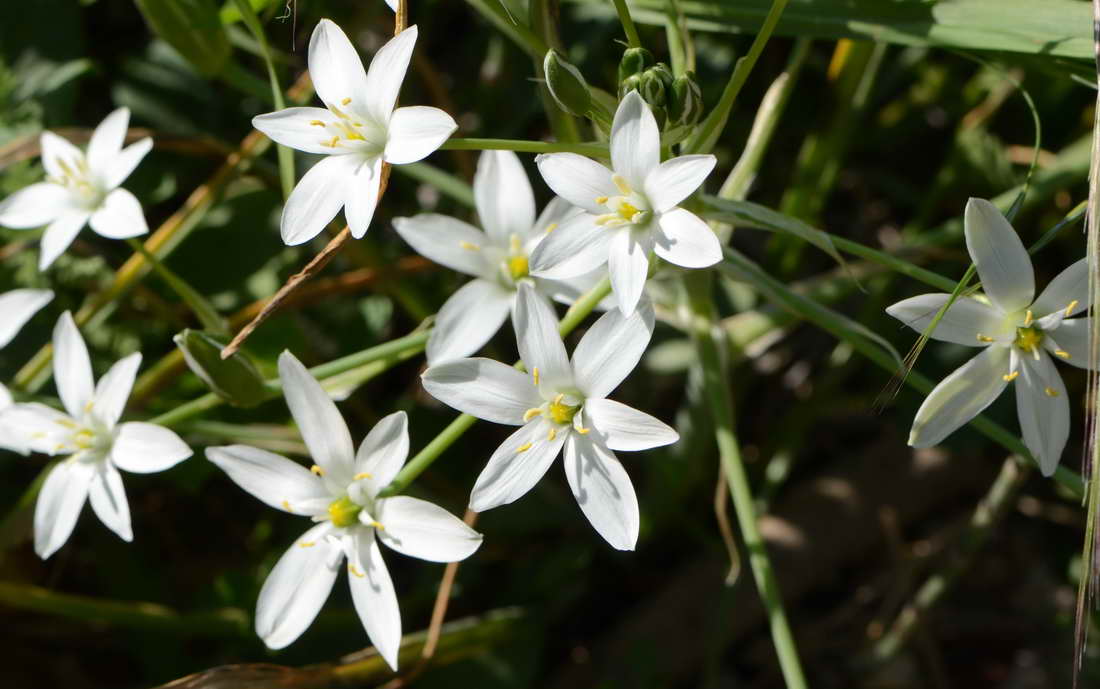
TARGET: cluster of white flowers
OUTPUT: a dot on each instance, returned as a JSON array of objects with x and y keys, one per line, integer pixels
[{"x": 603, "y": 222}]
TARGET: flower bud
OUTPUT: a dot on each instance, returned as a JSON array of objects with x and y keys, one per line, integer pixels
[
  {"x": 566, "y": 84},
  {"x": 635, "y": 61},
  {"x": 235, "y": 379},
  {"x": 631, "y": 83},
  {"x": 653, "y": 87},
  {"x": 685, "y": 103}
]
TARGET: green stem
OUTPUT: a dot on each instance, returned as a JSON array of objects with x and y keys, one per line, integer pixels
[
  {"x": 521, "y": 35},
  {"x": 208, "y": 316},
  {"x": 593, "y": 149},
  {"x": 628, "y": 24}
]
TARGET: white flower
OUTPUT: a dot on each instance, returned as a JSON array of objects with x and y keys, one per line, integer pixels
[
  {"x": 81, "y": 188},
  {"x": 498, "y": 257},
  {"x": 632, "y": 209},
  {"x": 97, "y": 445},
  {"x": 357, "y": 130},
  {"x": 1017, "y": 332},
  {"x": 17, "y": 307},
  {"x": 340, "y": 494},
  {"x": 560, "y": 404}
]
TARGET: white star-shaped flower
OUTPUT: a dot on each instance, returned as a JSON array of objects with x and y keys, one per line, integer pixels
[
  {"x": 81, "y": 188},
  {"x": 16, "y": 307},
  {"x": 1017, "y": 332},
  {"x": 497, "y": 258},
  {"x": 632, "y": 209},
  {"x": 356, "y": 131},
  {"x": 97, "y": 445},
  {"x": 340, "y": 494},
  {"x": 560, "y": 404}
]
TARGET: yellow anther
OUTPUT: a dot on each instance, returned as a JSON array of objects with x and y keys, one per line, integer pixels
[
  {"x": 601, "y": 200},
  {"x": 360, "y": 476},
  {"x": 535, "y": 374},
  {"x": 523, "y": 448},
  {"x": 559, "y": 398},
  {"x": 1009, "y": 377},
  {"x": 583, "y": 431},
  {"x": 377, "y": 525},
  {"x": 1070, "y": 307},
  {"x": 627, "y": 211},
  {"x": 345, "y": 101},
  {"x": 468, "y": 246},
  {"x": 315, "y": 469},
  {"x": 307, "y": 544},
  {"x": 531, "y": 413},
  {"x": 515, "y": 244},
  {"x": 552, "y": 433},
  {"x": 984, "y": 338},
  {"x": 620, "y": 182},
  {"x": 1028, "y": 318},
  {"x": 352, "y": 568},
  {"x": 317, "y": 123},
  {"x": 338, "y": 112},
  {"x": 287, "y": 507},
  {"x": 88, "y": 405},
  {"x": 64, "y": 167},
  {"x": 331, "y": 144},
  {"x": 1062, "y": 353},
  {"x": 67, "y": 423},
  {"x": 551, "y": 227},
  {"x": 1051, "y": 392}
]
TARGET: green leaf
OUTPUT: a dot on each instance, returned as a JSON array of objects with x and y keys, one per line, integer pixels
[{"x": 193, "y": 28}]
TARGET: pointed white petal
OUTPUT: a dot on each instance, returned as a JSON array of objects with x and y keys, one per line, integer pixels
[
  {"x": 361, "y": 195},
  {"x": 603, "y": 491},
  {"x": 72, "y": 369},
  {"x": 1071, "y": 337},
  {"x": 577, "y": 247},
  {"x": 316, "y": 199},
  {"x": 120, "y": 216},
  {"x": 418, "y": 528},
  {"x": 468, "y": 320},
  {"x": 335, "y": 68},
  {"x": 483, "y": 388},
  {"x": 59, "y": 235},
  {"x": 40, "y": 428},
  {"x": 1043, "y": 408},
  {"x": 34, "y": 206},
  {"x": 146, "y": 448},
  {"x": 577, "y": 179},
  {"x": 517, "y": 465},
  {"x": 113, "y": 390},
  {"x": 297, "y": 587},
  {"x": 107, "y": 139},
  {"x": 383, "y": 452},
  {"x": 1002, "y": 261},
  {"x": 446, "y": 241},
  {"x": 108, "y": 499},
  {"x": 685, "y": 240},
  {"x": 295, "y": 128},
  {"x": 56, "y": 150},
  {"x": 610, "y": 350},
  {"x": 12, "y": 436},
  {"x": 125, "y": 162},
  {"x": 415, "y": 132},
  {"x": 59, "y": 503},
  {"x": 504, "y": 200},
  {"x": 674, "y": 180},
  {"x": 271, "y": 478},
  {"x": 635, "y": 141},
  {"x": 1071, "y": 286},
  {"x": 628, "y": 265},
  {"x": 961, "y": 396},
  {"x": 962, "y": 323},
  {"x": 386, "y": 73},
  {"x": 624, "y": 428},
  {"x": 17, "y": 307},
  {"x": 540, "y": 345},
  {"x": 374, "y": 598},
  {"x": 318, "y": 419},
  {"x": 555, "y": 214}
]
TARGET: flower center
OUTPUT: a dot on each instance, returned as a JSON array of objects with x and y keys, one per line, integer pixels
[
  {"x": 344, "y": 512},
  {"x": 348, "y": 132},
  {"x": 77, "y": 178},
  {"x": 562, "y": 413},
  {"x": 628, "y": 209},
  {"x": 1028, "y": 339}
]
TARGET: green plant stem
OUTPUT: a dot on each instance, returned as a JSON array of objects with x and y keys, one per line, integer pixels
[
  {"x": 208, "y": 316},
  {"x": 628, "y": 24},
  {"x": 520, "y": 34},
  {"x": 594, "y": 149}
]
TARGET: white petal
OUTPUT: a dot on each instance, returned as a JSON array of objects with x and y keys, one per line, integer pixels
[
  {"x": 577, "y": 247},
  {"x": 603, "y": 491},
  {"x": 960, "y": 396},
  {"x": 316, "y": 199},
  {"x": 125, "y": 162},
  {"x": 17, "y": 307},
  {"x": 273, "y": 479},
  {"x": 1072, "y": 337},
  {"x": 374, "y": 598},
  {"x": 1043, "y": 408},
  {"x": 577, "y": 179},
  {"x": 120, "y": 216},
  {"x": 59, "y": 235},
  {"x": 962, "y": 323},
  {"x": 335, "y": 68},
  {"x": 59, "y": 503},
  {"x": 145, "y": 448},
  {"x": 517, "y": 465},
  {"x": 685, "y": 240},
  {"x": 72, "y": 369},
  {"x": 628, "y": 265},
  {"x": 318, "y": 419},
  {"x": 415, "y": 132},
  {"x": 483, "y": 388},
  {"x": 107, "y": 139},
  {"x": 293, "y": 128},
  {"x": 624, "y": 428},
  {"x": 113, "y": 390},
  {"x": 1002, "y": 261},
  {"x": 1071, "y": 286},
  {"x": 108, "y": 499},
  {"x": 674, "y": 180},
  {"x": 418, "y": 528},
  {"x": 361, "y": 195},
  {"x": 635, "y": 141},
  {"x": 468, "y": 320},
  {"x": 34, "y": 206},
  {"x": 297, "y": 587},
  {"x": 387, "y": 72},
  {"x": 610, "y": 350},
  {"x": 12, "y": 436},
  {"x": 504, "y": 200},
  {"x": 383, "y": 452},
  {"x": 540, "y": 345},
  {"x": 556, "y": 213},
  {"x": 446, "y": 241},
  {"x": 40, "y": 428},
  {"x": 56, "y": 150}
]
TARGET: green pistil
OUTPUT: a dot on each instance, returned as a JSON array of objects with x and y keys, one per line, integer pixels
[
  {"x": 1028, "y": 339},
  {"x": 344, "y": 512}
]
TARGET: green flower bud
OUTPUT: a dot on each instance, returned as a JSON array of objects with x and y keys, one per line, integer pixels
[
  {"x": 566, "y": 84},
  {"x": 653, "y": 88},
  {"x": 685, "y": 104},
  {"x": 635, "y": 61},
  {"x": 631, "y": 83},
  {"x": 235, "y": 379}
]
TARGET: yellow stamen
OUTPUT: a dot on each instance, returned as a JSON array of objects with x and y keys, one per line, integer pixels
[
  {"x": 307, "y": 544},
  {"x": 317, "y": 123},
  {"x": 315, "y": 469},
  {"x": 620, "y": 182},
  {"x": 377, "y": 525},
  {"x": 551, "y": 227},
  {"x": 1069, "y": 309},
  {"x": 518, "y": 267},
  {"x": 535, "y": 374},
  {"x": 530, "y": 414},
  {"x": 67, "y": 423},
  {"x": 360, "y": 476},
  {"x": 338, "y": 112},
  {"x": 601, "y": 200},
  {"x": 583, "y": 431},
  {"x": 344, "y": 512},
  {"x": 1028, "y": 318},
  {"x": 286, "y": 506},
  {"x": 345, "y": 101},
  {"x": 553, "y": 433},
  {"x": 1062, "y": 353},
  {"x": 559, "y": 398},
  {"x": 984, "y": 338},
  {"x": 1051, "y": 392},
  {"x": 356, "y": 572},
  {"x": 468, "y": 246},
  {"x": 523, "y": 448},
  {"x": 1009, "y": 377},
  {"x": 331, "y": 144}
]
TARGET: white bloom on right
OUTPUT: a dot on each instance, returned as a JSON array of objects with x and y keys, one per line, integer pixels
[
  {"x": 81, "y": 188},
  {"x": 561, "y": 403},
  {"x": 1018, "y": 334},
  {"x": 16, "y": 308},
  {"x": 633, "y": 209}
]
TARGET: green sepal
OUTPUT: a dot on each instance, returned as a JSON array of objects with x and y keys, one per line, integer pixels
[{"x": 236, "y": 379}]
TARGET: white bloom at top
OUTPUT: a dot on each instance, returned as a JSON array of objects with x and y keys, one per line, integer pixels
[
  {"x": 340, "y": 494},
  {"x": 497, "y": 258},
  {"x": 632, "y": 209},
  {"x": 97, "y": 445},
  {"x": 561, "y": 403},
  {"x": 16, "y": 308},
  {"x": 81, "y": 187},
  {"x": 1017, "y": 334},
  {"x": 356, "y": 131}
]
